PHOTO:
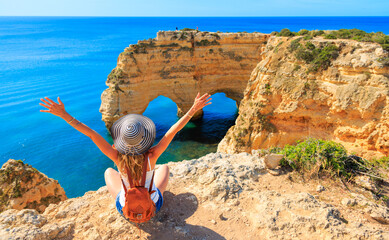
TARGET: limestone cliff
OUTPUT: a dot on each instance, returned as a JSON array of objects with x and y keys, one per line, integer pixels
[
  {"x": 177, "y": 65},
  {"x": 22, "y": 186},
  {"x": 218, "y": 196},
  {"x": 328, "y": 89}
]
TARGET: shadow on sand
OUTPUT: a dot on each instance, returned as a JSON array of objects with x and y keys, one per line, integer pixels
[{"x": 170, "y": 221}]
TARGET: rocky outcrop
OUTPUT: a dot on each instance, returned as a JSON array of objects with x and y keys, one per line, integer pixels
[
  {"x": 218, "y": 196},
  {"x": 291, "y": 95},
  {"x": 177, "y": 65},
  {"x": 327, "y": 89},
  {"x": 22, "y": 186}
]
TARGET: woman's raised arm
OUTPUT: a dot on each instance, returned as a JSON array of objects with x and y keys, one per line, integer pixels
[
  {"x": 58, "y": 109},
  {"x": 198, "y": 104}
]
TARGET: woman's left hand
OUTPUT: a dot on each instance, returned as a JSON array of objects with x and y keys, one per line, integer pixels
[{"x": 57, "y": 109}]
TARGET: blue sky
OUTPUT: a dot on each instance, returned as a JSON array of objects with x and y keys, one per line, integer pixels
[{"x": 194, "y": 8}]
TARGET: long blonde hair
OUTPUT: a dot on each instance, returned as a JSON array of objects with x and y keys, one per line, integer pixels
[{"x": 134, "y": 164}]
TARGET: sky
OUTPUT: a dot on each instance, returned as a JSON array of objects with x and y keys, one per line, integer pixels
[{"x": 194, "y": 8}]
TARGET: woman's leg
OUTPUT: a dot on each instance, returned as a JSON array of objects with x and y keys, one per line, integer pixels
[
  {"x": 113, "y": 182},
  {"x": 161, "y": 178}
]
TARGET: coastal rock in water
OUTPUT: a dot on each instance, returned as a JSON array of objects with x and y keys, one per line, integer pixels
[
  {"x": 290, "y": 97},
  {"x": 22, "y": 186},
  {"x": 178, "y": 65}
]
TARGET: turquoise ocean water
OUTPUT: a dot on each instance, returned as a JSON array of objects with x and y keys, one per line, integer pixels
[{"x": 71, "y": 57}]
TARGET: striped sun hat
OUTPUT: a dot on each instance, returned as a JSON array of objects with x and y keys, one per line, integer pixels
[{"x": 133, "y": 134}]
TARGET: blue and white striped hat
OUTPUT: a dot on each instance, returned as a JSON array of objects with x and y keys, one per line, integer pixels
[{"x": 133, "y": 134}]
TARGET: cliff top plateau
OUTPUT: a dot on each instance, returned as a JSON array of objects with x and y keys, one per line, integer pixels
[{"x": 218, "y": 196}]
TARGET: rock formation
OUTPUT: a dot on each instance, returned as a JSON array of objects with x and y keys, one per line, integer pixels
[
  {"x": 340, "y": 95},
  {"x": 22, "y": 186},
  {"x": 218, "y": 196},
  {"x": 177, "y": 65}
]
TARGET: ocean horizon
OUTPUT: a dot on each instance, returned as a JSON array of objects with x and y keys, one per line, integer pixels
[{"x": 71, "y": 57}]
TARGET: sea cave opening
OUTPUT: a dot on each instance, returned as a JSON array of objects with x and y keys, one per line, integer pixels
[{"x": 197, "y": 138}]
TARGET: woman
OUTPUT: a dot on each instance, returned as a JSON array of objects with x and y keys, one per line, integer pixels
[{"x": 133, "y": 135}]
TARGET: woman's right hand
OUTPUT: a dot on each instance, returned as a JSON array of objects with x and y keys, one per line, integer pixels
[
  {"x": 57, "y": 109},
  {"x": 201, "y": 102}
]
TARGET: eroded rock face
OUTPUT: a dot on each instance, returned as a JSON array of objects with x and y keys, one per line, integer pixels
[
  {"x": 286, "y": 100},
  {"x": 22, "y": 186},
  {"x": 213, "y": 197},
  {"x": 177, "y": 65}
]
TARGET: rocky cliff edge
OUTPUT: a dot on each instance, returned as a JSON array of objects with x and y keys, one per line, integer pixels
[
  {"x": 218, "y": 196},
  {"x": 319, "y": 88}
]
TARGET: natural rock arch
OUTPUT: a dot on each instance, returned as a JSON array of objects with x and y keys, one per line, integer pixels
[{"x": 177, "y": 65}]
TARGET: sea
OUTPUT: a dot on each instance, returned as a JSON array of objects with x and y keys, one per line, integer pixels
[{"x": 71, "y": 57}]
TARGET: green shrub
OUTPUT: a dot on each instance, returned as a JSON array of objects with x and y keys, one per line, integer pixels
[
  {"x": 357, "y": 35},
  {"x": 274, "y": 33},
  {"x": 303, "y": 32},
  {"x": 186, "y": 49},
  {"x": 205, "y": 42},
  {"x": 330, "y": 36},
  {"x": 317, "y": 33},
  {"x": 183, "y": 36},
  {"x": 115, "y": 75},
  {"x": 310, "y": 45},
  {"x": 294, "y": 45},
  {"x": 169, "y": 45},
  {"x": 215, "y": 35},
  {"x": 317, "y": 57},
  {"x": 324, "y": 57},
  {"x": 304, "y": 54},
  {"x": 381, "y": 162},
  {"x": 187, "y": 29},
  {"x": 307, "y": 37},
  {"x": 317, "y": 157},
  {"x": 286, "y": 33}
]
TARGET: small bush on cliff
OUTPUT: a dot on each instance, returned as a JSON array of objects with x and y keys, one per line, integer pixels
[
  {"x": 354, "y": 34},
  {"x": 187, "y": 29},
  {"x": 319, "y": 157},
  {"x": 303, "y": 32},
  {"x": 215, "y": 35},
  {"x": 318, "y": 57},
  {"x": 330, "y": 36},
  {"x": 381, "y": 162},
  {"x": 361, "y": 36},
  {"x": 115, "y": 75},
  {"x": 286, "y": 33},
  {"x": 294, "y": 45},
  {"x": 205, "y": 42},
  {"x": 317, "y": 33}
]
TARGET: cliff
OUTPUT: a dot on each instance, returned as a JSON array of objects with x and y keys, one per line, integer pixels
[
  {"x": 327, "y": 89},
  {"x": 177, "y": 65},
  {"x": 22, "y": 186},
  {"x": 321, "y": 88},
  {"x": 218, "y": 196}
]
